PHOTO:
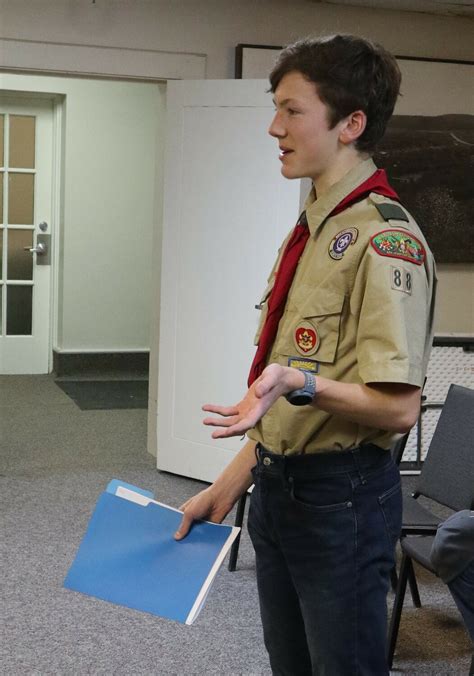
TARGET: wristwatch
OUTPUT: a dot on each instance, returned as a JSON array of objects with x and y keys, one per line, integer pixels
[{"x": 304, "y": 395}]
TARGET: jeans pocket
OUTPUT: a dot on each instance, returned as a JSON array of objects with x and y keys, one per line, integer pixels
[
  {"x": 318, "y": 497},
  {"x": 391, "y": 505}
]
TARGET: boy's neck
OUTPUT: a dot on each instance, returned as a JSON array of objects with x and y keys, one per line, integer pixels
[{"x": 346, "y": 162}]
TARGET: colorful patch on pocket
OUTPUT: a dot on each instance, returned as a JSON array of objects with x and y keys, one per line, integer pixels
[
  {"x": 399, "y": 244},
  {"x": 306, "y": 338}
]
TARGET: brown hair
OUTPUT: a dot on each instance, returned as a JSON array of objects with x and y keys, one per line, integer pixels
[{"x": 351, "y": 73}]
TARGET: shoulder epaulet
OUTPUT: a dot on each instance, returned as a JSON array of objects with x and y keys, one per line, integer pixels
[{"x": 390, "y": 211}]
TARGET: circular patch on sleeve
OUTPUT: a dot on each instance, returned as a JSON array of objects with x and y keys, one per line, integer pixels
[
  {"x": 306, "y": 338},
  {"x": 399, "y": 244},
  {"x": 342, "y": 241}
]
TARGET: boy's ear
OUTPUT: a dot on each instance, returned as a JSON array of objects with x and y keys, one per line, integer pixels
[{"x": 352, "y": 127}]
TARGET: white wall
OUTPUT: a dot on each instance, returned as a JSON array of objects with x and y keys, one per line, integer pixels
[
  {"x": 201, "y": 34},
  {"x": 105, "y": 240}
]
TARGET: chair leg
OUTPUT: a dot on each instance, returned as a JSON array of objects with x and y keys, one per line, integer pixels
[
  {"x": 239, "y": 519},
  {"x": 394, "y": 578},
  {"x": 397, "y": 608},
  {"x": 415, "y": 595}
]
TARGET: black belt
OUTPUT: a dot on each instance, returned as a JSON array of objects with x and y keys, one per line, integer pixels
[{"x": 322, "y": 463}]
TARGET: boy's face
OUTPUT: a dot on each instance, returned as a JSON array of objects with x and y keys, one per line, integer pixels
[{"x": 308, "y": 148}]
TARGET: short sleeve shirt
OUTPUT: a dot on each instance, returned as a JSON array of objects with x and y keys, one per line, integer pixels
[{"x": 360, "y": 310}]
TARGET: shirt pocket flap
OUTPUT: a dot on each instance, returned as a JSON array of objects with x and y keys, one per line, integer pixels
[
  {"x": 320, "y": 304},
  {"x": 321, "y": 313}
]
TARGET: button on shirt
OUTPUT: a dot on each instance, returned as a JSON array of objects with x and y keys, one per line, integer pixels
[{"x": 361, "y": 313}]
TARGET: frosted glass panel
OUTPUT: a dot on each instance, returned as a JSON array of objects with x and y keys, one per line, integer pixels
[
  {"x": 19, "y": 310},
  {"x": 22, "y": 142},
  {"x": 1, "y": 254},
  {"x": 20, "y": 262},
  {"x": 21, "y": 198},
  {"x": 1, "y": 196},
  {"x": 1, "y": 310}
]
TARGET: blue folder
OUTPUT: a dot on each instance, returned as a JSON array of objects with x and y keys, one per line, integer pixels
[{"x": 129, "y": 556}]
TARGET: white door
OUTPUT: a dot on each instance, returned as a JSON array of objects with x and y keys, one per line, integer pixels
[
  {"x": 226, "y": 211},
  {"x": 25, "y": 235}
]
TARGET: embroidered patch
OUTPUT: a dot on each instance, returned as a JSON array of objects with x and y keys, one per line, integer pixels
[
  {"x": 306, "y": 338},
  {"x": 342, "y": 241},
  {"x": 305, "y": 364},
  {"x": 399, "y": 244},
  {"x": 401, "y": 280}
]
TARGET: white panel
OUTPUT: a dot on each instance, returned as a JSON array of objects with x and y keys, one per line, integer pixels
[
  {"x": 103, "y": 61},
  {"x": 226, "y": 210}
]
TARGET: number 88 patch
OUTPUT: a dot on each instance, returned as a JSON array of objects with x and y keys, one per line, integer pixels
[{"x": 402, "y": 280}]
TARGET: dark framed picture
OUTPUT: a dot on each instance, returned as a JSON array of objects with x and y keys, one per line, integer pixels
[{"x": 428, "y": 148}]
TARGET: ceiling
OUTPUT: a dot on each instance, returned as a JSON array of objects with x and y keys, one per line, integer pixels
[{"x": 454, "y": 8}]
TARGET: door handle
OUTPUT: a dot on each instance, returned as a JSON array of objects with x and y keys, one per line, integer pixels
[{"x": 41, "y": 249}]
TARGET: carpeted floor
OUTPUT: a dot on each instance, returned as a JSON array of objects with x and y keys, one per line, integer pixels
[
  {"x": 96, "y": 395},
  {"x": 55, "y": 461}
]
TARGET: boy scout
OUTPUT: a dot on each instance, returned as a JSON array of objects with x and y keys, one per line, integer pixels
[{"x": 342, "y": 353}]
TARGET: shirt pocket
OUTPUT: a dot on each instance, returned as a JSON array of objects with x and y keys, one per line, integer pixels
[
  {"x": 263, "y": 307},
  {"x": 316, "y": 310}
]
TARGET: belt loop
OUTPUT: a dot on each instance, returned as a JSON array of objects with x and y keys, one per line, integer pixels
[
  {"x": 355, "y": 455},
  {"x": 257, "y": 451}
]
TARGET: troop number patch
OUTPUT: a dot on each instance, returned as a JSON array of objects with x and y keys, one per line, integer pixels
[
  {"x": 402, "y": 280},
  {"x": 399, "y": 244}
]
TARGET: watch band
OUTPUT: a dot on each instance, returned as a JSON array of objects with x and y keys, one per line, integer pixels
[{"x": 304, "y": 395}]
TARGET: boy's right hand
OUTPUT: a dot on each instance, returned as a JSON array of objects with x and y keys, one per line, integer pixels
[{"x": 204, "y": 505}]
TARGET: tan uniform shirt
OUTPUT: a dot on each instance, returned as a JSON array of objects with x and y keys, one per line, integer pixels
[{"x": 360, "y": 310}]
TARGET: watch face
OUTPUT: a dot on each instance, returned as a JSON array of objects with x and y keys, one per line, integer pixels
[{"x": 302, "y": 399}]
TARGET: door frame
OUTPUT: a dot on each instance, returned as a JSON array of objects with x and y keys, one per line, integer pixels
[
  {"x": 90, "y": 62},
  {"x": 13, "y": 97}
]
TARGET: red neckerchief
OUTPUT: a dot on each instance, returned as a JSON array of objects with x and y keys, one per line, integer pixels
[
  {"x": 286, "y": 270},
  {"x": 376, "y": 183}
]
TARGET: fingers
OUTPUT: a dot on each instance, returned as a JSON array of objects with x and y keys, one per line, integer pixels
[
  {"x": 221, "y": 410},
  {"x": 221, "y": 422},
  {"x": 233, "y": 431},
  {"x": 184, "y": 527}
]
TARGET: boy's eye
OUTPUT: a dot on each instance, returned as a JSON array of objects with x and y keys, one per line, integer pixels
[{"x": 291, "y": 111}]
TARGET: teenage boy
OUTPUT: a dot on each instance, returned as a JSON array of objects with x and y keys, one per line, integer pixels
[{"x": 342, "y": 353}]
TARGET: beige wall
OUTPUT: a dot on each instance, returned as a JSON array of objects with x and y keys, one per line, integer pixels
[
  {"x": 210, "y": 29},
  {"x": 214, "y": 27}
]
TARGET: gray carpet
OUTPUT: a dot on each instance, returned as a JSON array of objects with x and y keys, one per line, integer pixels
[
  {"x": 96, "y": 395},
  {"x": 55, "y": 461}
]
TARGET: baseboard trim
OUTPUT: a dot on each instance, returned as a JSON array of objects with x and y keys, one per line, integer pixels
[{"x": 100, "y": 363}]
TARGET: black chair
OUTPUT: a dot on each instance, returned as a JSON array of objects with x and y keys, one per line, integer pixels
[{"x": 447, "y": 478}]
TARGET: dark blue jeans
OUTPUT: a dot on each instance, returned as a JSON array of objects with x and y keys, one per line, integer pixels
[{"x": 324, "y": 529}]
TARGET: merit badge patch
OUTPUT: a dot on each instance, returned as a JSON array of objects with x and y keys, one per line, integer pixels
[
  {"x": 342, "y": 241},
  {"x": 306, "y": 338},
  {"x": 305, "y": 364},
  {"x": 399, "y": 244}
]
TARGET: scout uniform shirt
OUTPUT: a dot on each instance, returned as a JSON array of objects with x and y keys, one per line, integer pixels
[{"x": 359, "y": 310}]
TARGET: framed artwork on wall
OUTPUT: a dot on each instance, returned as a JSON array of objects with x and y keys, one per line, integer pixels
[{"x": 428, "y": 148}]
